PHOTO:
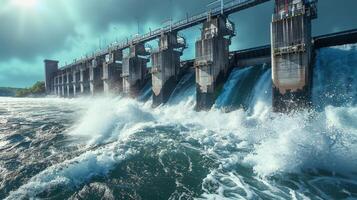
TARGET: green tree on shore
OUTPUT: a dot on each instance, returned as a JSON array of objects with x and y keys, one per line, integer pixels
[{"x": 38, "y": 89}]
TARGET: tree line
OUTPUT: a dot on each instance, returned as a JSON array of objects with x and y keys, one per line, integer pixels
[{"x": 38, "y": 89}]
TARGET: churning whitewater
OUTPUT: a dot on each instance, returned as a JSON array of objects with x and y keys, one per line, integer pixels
[{"x": 119, "y": 148}]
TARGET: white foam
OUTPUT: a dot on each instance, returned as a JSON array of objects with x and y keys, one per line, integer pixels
[
  {"x": 74, "y": 172},
  {"x": 105, "y": 119},
  {"x": 298, "y": 142}
]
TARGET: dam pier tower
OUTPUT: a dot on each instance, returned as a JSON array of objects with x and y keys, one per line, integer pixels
[
  {"x": 51, "y": 68},
  {"x": 95, "y": 75},
  {"x": 75, "y": 81},
  {"x": 291, "y": 49},
  {"x": 212, "y": 59},
  {"x": 165, "y": 68},
  {"x": 69, "y": 82},
  {"x": 112, "y": 82},
  {"x": 134, "y": 69},
  {"x": 84, "y": 78}
]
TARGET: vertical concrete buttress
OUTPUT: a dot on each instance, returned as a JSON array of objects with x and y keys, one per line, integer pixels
[
  {"x": 84, "y": 78},
  {"x": 292, "y": 53},
  {"x": 59, "y": 85},
  {"x": 75, "y": 81},
  {"x": 165, "y": 67},
  {"x": 81, "y": 82},
  {"x": 112, "y": 81},
  {"x": 63, "y": 85},
  {"x": 134, "y": 70},
  {"x": 212, "y": 59},
  {"x": 69, "y": 83},
  {"x": 95, "y": 74},
  {"x": 55, "y": 85},
  {"x": 51, "y": 68}
]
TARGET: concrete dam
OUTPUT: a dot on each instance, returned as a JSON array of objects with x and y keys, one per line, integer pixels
[{"x": 291, "y": 56}]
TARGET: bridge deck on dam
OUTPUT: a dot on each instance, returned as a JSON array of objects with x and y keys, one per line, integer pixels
[{"x": 229, "y": 8}]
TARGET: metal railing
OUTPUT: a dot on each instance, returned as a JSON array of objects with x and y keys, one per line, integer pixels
[{"x": 230, "y": 7}]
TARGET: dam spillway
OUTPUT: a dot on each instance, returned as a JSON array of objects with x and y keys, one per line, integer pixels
[{"x": 111, "y": 71}]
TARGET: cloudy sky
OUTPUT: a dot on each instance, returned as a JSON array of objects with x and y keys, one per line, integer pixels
[{"x": 34, "y": 30}]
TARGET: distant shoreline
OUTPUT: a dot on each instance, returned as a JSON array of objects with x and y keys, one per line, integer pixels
[
  {"x": 8, "y": 91},
  {"x": 37, "y": 90}
]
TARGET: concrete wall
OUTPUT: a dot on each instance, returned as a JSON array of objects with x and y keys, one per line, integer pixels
[
  {"x": 165, "y": 69},
  {"x": 112, "y": 81},
  {"x": 134, "y": 70},
  {"x": 212, "y": 60},
  {"x": 51, "y": 68},
  {"x": 291, "y": 55},
  {"x": 84, "y": 80}
]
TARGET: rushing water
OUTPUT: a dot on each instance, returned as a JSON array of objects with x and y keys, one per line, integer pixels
[{"x": 118, "y": 148}]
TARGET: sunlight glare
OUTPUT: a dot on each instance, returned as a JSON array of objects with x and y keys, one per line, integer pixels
[{"x": 25, "y": 3}]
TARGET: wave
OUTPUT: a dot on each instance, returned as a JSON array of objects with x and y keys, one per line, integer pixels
[
  {"x": 72, "y": 173},
  {"x": 270, "y": 144}
]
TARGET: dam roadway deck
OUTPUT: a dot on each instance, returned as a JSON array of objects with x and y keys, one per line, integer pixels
[{"x": 229, "y": 8}]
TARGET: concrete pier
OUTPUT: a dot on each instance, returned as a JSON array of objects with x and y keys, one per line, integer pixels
[
  {"x": 84, "y": 79},
  {"x": 95, "y": 74},
  {"x": 212, "y": 59},
  {"x": 165, "y": 67},
  {"x": 69, "y": 84},
  {"x": 75, "y": 81},
  {"x": 134, "y": 70},
  {"x": 59, "y": 85},
  {"x": 51, "y": 68},
  {"x": 63, "y": 85},
  {"x": 292, "y": 53},
  {"x": 54, "y": 91},
  {"x": 112, "y": 81}
]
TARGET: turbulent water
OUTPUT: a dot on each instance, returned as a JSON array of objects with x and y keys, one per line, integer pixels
[{"x": 118, "y": 148}]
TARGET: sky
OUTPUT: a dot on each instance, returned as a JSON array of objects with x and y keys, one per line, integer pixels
[{"x": 34, "y": 30}]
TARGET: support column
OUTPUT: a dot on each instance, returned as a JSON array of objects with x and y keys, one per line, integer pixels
[
  {"x": 76, "y": 80},
  {"x": 165, "y": 69},
  {"x": 292, "y": 53},
  {"x": 63, "y": 85},
  {"x": 59, "y": 89},
  {"x": 134, "y": 70},
  {"x": 55, "y": 85},
  {"x": 84, "y": 78},
  {"x": 212, "y": 60},
  {"x": 51, "y": 68},
  {"x": 112, "y": 81},
  {"x": 95, "y": 74},
  {"x": 69, "y": 84}
]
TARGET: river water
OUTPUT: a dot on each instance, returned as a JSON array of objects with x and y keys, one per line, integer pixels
[{"x": 119, "y": 148}]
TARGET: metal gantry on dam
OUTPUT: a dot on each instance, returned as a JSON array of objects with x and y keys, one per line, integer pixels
[{"x": 291, "y": 56}]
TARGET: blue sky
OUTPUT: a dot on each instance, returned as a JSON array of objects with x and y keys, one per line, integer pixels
[{"x": 34, "y": 30}]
